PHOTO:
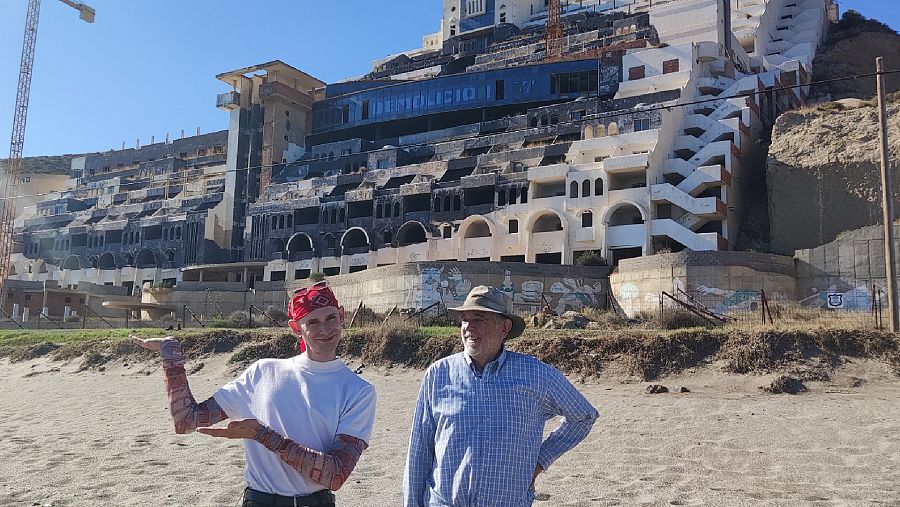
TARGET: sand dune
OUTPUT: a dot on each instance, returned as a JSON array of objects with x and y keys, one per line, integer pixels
[{"x": 89, "y": 438}]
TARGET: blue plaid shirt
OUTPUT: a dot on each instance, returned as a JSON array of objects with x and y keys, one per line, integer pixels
[{"x": 476, "y": 438}]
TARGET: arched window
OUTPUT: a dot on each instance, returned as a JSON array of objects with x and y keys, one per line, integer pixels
[
  {"x": 513, "y": 195},
  {"x": 447, "y": 203},
  {"x": 396, "y": 209},
  {"x": 501, "y": 197},
  {"x": 281, "y": 222},
  {"x": 102, "y": 240},
  {"x": 290, "y": 221},
  {"x": 523, "y": 194},
  {"x": 457, "y": 202},
  {"x": 586, "y": 188},
  {"x": 325, "y": 216},
  {"x": 178, "y": 232},
  {"x": 334, "y": 215},
  {"x": 378, "y": 211},
  {"x": 573, "y": 190},
  {"x": 388, "y": 237},
  {"x": 273, "y": 221},
  {"x": 329, "y": 241},
  {"x": 437, "y": 204},
  {"x": 598, "y": 186},
  {"x": 170, "y": 255},
  {"x": 342, "y": 215}
]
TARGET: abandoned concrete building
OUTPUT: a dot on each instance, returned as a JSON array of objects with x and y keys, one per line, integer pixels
[{"x": 478, "y": 146}]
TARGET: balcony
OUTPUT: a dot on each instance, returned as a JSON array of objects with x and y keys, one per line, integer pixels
[
  {"x": 228, "y": 101},
  {"x": 626, "y": 236},
  {"x": 626, "y": 163}
]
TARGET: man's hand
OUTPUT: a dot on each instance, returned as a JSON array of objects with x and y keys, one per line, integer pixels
[
  {"x": 153, "y": 344},
  {"x": 242, "y": 428},
  {"x": 538, "y": 470}
]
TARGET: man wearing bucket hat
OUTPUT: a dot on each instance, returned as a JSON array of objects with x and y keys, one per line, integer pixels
[
  {"x": 304, "y": 421},
  {"x": 477, "y": 431}
]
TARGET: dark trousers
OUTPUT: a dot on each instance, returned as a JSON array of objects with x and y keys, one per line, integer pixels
[{"x": 257, "y": 499}]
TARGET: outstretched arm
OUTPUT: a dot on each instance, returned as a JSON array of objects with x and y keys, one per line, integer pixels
[
  {"x": 187, "y": 414},
  {"x": 330, "y": 469}
]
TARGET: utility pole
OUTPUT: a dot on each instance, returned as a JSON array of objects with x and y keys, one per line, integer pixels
[{"x": 887, "y": 199}]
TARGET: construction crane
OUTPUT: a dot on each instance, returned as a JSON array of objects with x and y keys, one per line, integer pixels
[
  {"x": 554, "y": 31},
  {"x": 17, "y": 142}
]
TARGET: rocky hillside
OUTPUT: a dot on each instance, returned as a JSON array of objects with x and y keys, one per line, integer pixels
[
  {"x": 823, "y": 171},
  {"x": 45, "y": 165},
  {"x": 850, "y": 50}
]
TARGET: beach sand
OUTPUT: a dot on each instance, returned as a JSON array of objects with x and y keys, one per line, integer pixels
[{"x": 71, "y": 438}]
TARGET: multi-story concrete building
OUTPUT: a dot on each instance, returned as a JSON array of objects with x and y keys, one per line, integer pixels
[{"x": 473, "y": 147}]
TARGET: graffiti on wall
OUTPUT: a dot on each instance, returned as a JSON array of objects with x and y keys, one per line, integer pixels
[
  {"x": 856, "y": 299},
  {"x": 449, "y": 287}
]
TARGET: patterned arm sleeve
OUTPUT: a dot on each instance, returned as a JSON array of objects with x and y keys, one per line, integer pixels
[
  {"x": 420, "y": 456},
  {"x": 578, "y": 418},
  {"x": 330, "y": 469},
  {"x": 187, "y": 414}
]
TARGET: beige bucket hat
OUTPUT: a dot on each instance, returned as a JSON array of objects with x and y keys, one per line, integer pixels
[{"x": 493, "y": 300}]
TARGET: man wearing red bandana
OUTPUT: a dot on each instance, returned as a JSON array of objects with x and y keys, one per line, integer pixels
[{"x": 304, "y": 421}]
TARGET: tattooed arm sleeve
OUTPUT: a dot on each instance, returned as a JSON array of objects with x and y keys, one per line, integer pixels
[
  {"x": 330, "y": 469},
  {"x": 187, "y": 414}
]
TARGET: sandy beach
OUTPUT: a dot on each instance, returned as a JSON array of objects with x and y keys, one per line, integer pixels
[{"x": 71, "y": 438}]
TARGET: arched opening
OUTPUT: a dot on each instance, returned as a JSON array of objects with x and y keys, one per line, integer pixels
[
  {"x": 436, "y": 205},
  {"x": 396, "y": 209},
  {"x": 107, "y": 261},
  {"x": 548, "y": 222},
  {"x": 573, "y": 190},
  {"x": 329, "y": 241},
  {"x": 457, "y": 202},
  {"x": 411, "y": 233},
  {"x": 501, "y": 197},
  {"x": 379, "y": 211},
  {"x": 72, "y": 263},
  {"x": 601, "y": 131},
  {"x": 333, "y": 215},
  {"x": 447, "y": 203},
  {"x": 478, "y": 229},
  {"x": 128, "y": 260},
  {"x": 627, "y": 214},
  {"x": 342, "y": 215},
  {"x": 276, "y": 246},
  {"x": 146, "y": 259},
  {"x": 178, "y": 232},
  {"x": 39, "y": 267},
  {"x": 588, "y": 132},
  {"x": 388, "y": 237},
  {"x": 355, "y": 238},
  {"x": 586, "y": 188},
  {"x": 598, "y": 186},
  {"x": 299, "y": 243},
  {"x": 513, "y": 195},
  {"x": 12, "y": 270},
  {"x": 613, "y": 129},
  {"x": 94, "y": 262},
  {"x": 281, "y": 222},
  {"x": 170, "y": 255}
]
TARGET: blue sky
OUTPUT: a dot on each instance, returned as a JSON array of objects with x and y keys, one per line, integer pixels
[{"x": 147, "y": 67}]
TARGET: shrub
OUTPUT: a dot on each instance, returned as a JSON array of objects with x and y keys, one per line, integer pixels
[
  {"x": 277, "y": 313},
  {"x": 316, "y": 277},
  {"x": 590, "y": 258}
]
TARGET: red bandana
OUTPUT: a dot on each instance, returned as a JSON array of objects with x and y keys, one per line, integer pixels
[{"x": 307, "y": 300}]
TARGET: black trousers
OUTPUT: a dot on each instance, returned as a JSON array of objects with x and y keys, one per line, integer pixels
[
  {"x": 256, "y": 499},
  {"x": 250, "y": 503}
]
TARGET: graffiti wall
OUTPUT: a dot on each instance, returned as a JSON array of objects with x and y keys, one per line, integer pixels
[{"x": 438, "y": 285}]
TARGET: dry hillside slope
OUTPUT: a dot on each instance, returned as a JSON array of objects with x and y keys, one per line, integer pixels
[{"x": 823, "y": 172}]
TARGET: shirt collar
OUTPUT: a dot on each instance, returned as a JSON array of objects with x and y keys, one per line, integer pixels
[{"x": 494, "y": 366}]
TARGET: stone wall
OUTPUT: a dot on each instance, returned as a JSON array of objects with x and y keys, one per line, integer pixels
[
  {"x": 420, "y": 285},
  {"x": 722, "y": 281},
  {"x": 849, "y": 266}
]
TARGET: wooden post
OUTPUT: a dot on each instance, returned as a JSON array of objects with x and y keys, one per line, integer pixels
[
  {"x": 353, "y": 319},
  {"x": 887, "y": 201}
]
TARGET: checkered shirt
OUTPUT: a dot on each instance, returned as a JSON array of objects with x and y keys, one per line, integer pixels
[{"x": 476, "y": 438}]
